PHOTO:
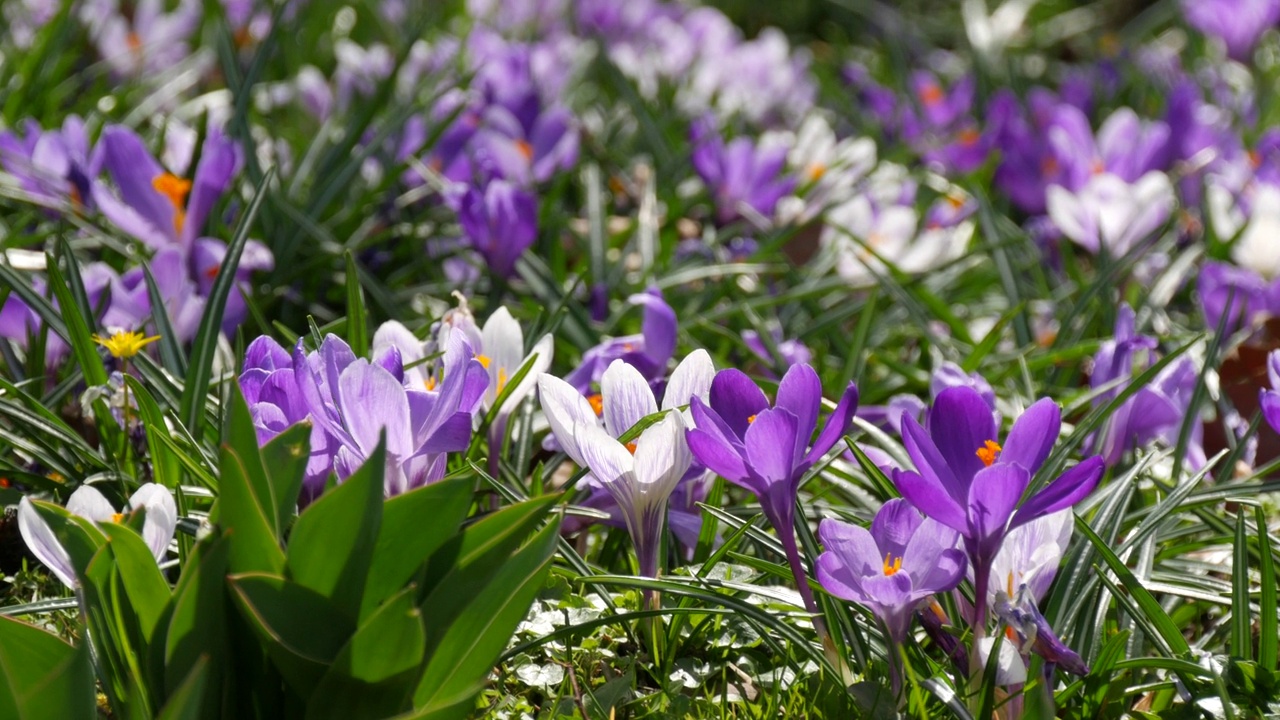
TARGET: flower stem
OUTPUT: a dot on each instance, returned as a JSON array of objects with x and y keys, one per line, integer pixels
[{"x": 785, "y": 525}]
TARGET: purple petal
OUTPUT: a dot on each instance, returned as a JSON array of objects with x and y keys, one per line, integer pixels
[
  {"x": 736, "y": 398},
  {"x": 718, "y": 456},
  {"x": 994, "y": 494},
  {"x": 1070, "y": 488},
  {"x": 930, "y": 463},
  {"x": 960, "y": 423},
  {"x": 838, "y": 424},
  {"x": 43, "y": 543},
  {"x": 894, "y": 525},
  {"x": 801, "y": 393},
  {"x": 770, "y": 444},
  {"x": 931, "y": 498},
  {"x": 1033, "y": 435},
  {"x": 372, "y": 400}
]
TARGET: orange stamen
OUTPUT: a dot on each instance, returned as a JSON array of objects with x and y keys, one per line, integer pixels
[
  {"x": 988, "y": 452},
  {"x": 175, "y": 189},
  {"x": 597, "y": 403},
  {"x": 891, "y": 567},
  {"x": 931, "y": 94},
  {"x": 816, "y": 171},
  {"x": 484, "y": 360},
  {"x": 969, "y": 137},
  {"x": 751, "y": 419},
  {"x": 118, "y": 517},
  {"x": 525, "y": 149},
  {"x": 430, "y": 383},
  {"x": 631, "y": 448},
  {"x": 133, "y": 42}
]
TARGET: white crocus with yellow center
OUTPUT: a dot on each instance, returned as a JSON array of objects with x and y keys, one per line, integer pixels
[{"x": 503, "y": 355}]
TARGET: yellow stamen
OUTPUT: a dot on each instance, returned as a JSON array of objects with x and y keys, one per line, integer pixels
[
  {"x": 597, "y": 403},
  {"x": 891, "y": 567},
  {"x": 988, "y": 452},
  {"x": 430, "y": 383},
  {"x": 502, "y": 380},
  {"x": 484, "y": 360},
  {"x": 1010, "y": 584},
  {"x": 816, "y": 171},
  {"x": 118, "y": 517},
  {"x": 125, "y": 344},
  {"x": 175, "y": 189},
  {"x": 751, "y": 419}
]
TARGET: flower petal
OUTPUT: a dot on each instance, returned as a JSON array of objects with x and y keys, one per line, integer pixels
[
  {"x": 1070, "y": 488},
  {"x": 87, "y": 502},
  {"x": 564, "y": 408},
  {"x": 960, "y": 423},
  {"x": 691, "y": 378},
  {"x": 770, "y": 444},
  {"x": 43, "y": 543},
  {"x": 1033, "y": 435},
  {"x": 931, "y": 498},
  {"x": 994, "y": 494},
  {"x": 627, "y": 397},
  {"x": 929, "y": 461},
  {"x": 837, "y": 426},
  {"x": 800, "y": 392},
  {"x": 161, "y": 519},
  {"x": 735, "y": 398}
]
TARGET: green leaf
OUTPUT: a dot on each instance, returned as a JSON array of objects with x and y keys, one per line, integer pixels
[
  {"x": 468, "y": 646},
  {"x": 197, "y": 623},
  {"x": 242, "y": 439},
  {"x": 373, "y": 674},
  {"x": 148, "y": 592},
  {"x": 254, "y": 546},
  {"x": 1241, "y": 621},
  {"x": 1269, "y": 634},
  {"x": 43, "y": 677},
  {"x": 166, "y": 467},
  {"x": 405, "y": 542},
  {"x": 78, "y": 330},
  {"x": 357, "y": 317},
  {"x": 285, "y": 456},
  {"x": 333, "y": 541},
  {"x": 205, "y": 345},
  {"x": 186, "y": 702},
  {"x": 302, "y": 630}
]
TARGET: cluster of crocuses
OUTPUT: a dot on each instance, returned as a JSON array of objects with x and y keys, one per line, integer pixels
[
  {"x": 962, "y": 512},
  {"x": 166, "y": 206}
]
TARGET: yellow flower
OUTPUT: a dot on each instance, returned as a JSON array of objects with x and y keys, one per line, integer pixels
[{"x": 125, "y": 344}]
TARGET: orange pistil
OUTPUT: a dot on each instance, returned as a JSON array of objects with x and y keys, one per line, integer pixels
[
  {"x": 969, "y": 137},
  {"x": 1049, "y": 166},
  {"x": 430, "y": 383},
  {"x": 1097, "y": 167},
  {"x": 988, "y": 452},
  {"x": 751, "y": 419},
  {"x": 4, "y": 483},
  {"x": 628, "y": 347},
  {"x": 484, "y": 360},
  {"x": 118, "y": 517},
  {"x": 77, "y": 201},
  {"x": 891, "y": 564},
  {"x": 212, "y": 273},
  {"x": 133, "y": 42},
  {"x": 631, "y": 448},
  {"x": 525, "y": 149},
  {"x": 175, "y": 189},
  {"x": 931, "y": 94},
  {"x": 597, "y": 403},
  {"x": 816, "y": 171}
]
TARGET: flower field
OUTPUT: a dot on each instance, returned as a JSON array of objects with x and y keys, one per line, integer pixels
[{"x": 645, "y": 359}]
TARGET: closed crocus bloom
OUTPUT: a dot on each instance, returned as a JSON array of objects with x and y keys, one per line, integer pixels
[
  {"x": 1244, "y": 297},
  {"x": 648, "y": 351},
  {"x": 157, "y": 530},
  {"x": 1237, "y": 23},
  {"x": 500, "y": 221},
  {"x": 1270, "y": 399},
  {"x": 891, "y": 569},
  {"x": 968, "y": 481}
]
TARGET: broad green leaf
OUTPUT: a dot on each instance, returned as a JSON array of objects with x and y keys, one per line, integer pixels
[
  {"x": 43, "y": 677},
  {"x": 242, "y": 439},
  {"x": 285, "y": 456},
  {"x": 302, "y": 630},
  {"x": 374, "y": 674},
  {"x": 333, "y": 541},
  {"x": 197, "y": 623},
  {"x": 185, "y": 703},
  {"x": 405, "y": 542},
  {"x": 148, "y": 591},
  {"x": 243, "y": 516},
  {"x": 468, "y": 647}
]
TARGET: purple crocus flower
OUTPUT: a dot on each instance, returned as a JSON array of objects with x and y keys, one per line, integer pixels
[
  {"x": 792, "y": 352},
  {"x": 741, "y": 176},
  {"x": 891, "y": 569},
  {"x": 649, "y": 351},
  {"x": 1241, "y": 295},
  {"x": 147, "y": 39},
  {"x": 969, "y": 482},
  {"x": 767, "y": 449},
  {"x": 1155, "y": 412},
  {"x": 57, "y": 167},
  {"x": 1237, "y": 23},
  {"x": 501, "y": 222},
  {"x": 1269, "y": 400},
  {"x": 527, "y": 154},
  {"x": 350, "y": 401}
]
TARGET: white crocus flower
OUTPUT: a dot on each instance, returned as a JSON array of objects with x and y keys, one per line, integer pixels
[
  {"x": 157, "y": 530},
  {"x": 857, "y": 231},
  {"x": 1111, "y": 213},
  {"x": 502, "y": 354},
  {"x": 1258, "y": 247}
]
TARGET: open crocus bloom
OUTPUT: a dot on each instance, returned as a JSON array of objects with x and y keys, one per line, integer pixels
[
  {"x": 966, "y": 480},
  {"x": 1270, "y": 399},
  {"x": 892, "y": 568},
  {"x": 502, "y": 354},
  {"x": 1111, "y": 214},
  {"x": 649, "y": 351},
  {"x": 157, "y": 530}
]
